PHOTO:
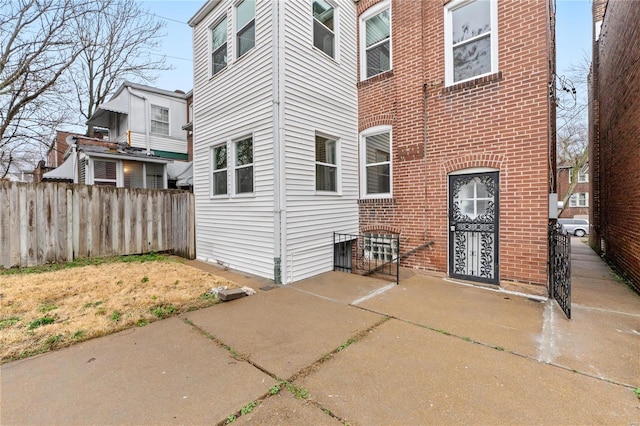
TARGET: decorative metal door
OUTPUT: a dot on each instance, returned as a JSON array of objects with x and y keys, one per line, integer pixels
[{"x": 473, "y": 227}]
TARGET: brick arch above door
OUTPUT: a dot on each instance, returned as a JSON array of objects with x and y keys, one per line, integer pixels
[{"x": 470, "y": 161}]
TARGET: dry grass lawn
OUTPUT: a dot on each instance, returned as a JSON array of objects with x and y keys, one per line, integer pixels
[{"x": 44, "y": 311}]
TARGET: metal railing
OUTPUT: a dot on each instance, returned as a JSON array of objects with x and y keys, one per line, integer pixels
[{"x": 367, "y": 254}]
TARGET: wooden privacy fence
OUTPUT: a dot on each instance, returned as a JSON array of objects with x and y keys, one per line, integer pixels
[{"x": 58, "y": 222}]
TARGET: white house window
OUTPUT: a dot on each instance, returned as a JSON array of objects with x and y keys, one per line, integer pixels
[
  {"x": 471, "y": 40},
  {"x": 219, "y": 46},
  {"x": 133, "y": 174},
  {"x": 245, "y": 27},
  {"x": 579, "y": 199},
  {"x": 375, "y": 40},
  {"x": 244, "y": 166},
  {"x": 154, "y": 174},
  {"x": 380, "y": 247},
  {"x": 323, "y": 26},
  {"x": 219, "y": 174},
  {"x": 105, "y": 173},
  {"x": 137, "y": 174},
  {"x": 583, "y": 175},
  {"x": 326, "y": 164},
  {"x": 376, "y": 159},
  {"x": 159, "y": 120}
]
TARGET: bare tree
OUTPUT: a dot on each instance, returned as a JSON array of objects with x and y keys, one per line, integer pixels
[
  {"x": 37, "y": 46},
  {"x": 572, "y": 130},
  {"x": 120, "y": 43}
]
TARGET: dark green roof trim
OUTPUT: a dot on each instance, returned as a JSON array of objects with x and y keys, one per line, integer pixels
[{"x": 169, "y": 154}]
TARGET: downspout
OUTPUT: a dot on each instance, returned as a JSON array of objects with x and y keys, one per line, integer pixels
[
  {"x": 147, "y": 121},
  {"x": 278, "y": 136}
]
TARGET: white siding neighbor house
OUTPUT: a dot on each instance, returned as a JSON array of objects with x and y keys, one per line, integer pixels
[
  {"x": 275, "y": 134},
  {"x": 146, "y": 146},
  {"x": 146, "y": 117}
]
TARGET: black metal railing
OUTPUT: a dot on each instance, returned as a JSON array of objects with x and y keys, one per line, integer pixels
[
  {"x": 367, "y": 254},
  {"x": 560, "y": 267}
]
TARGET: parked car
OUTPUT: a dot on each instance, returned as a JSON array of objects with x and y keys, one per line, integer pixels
[{"x": 577, "y": 227}]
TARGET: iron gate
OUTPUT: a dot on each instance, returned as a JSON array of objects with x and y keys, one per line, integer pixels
[
  {"x": 560, "y": 267},
  {"x": 368, "y": 253},
  {"x": 473, "y": 227}
]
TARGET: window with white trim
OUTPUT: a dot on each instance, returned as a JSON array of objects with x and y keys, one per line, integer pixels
[
  {"x": 245, "y": 26},
  {"x": 375, "y": 158},
  {"x": 471, "y": 40},
  {"x": 375, "y": 40},
  {"x": 159, "y": 120},
  {"x": 219, "y": 172},
  {"x": 583, "y": 174},
  {"x": 326, "y": 164},
  {"x": 219, "y": 46},
  {"x": 154, "y": 175},
  {"x": 105, "y": 172},
  {"x": 323, "y": 26},
  {"x": 243, "y": 165},
  {"x": 579, "y": 199}
]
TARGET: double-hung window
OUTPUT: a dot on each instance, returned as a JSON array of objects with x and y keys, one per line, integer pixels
[
  {"x": 375, "y": 40},
  {"x": 583, "y": 174},
  {"x": 243, "y": 165},
  {"x": 323, "y": 27},
  {"x": 471, "y": 39},
  {"x": 245, "y": 27},
  {"x": 159, "y": 120},
  {"x": 219, "y": 46},
  {"x": 579, "y": 199},
  {"x": 219, "y": 175},
  {"x": 326, "y": 164},
  {"x": 376, "y": 162}
]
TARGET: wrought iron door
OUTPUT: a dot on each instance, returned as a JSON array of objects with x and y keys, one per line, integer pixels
[{"x": 473, "y": 227}]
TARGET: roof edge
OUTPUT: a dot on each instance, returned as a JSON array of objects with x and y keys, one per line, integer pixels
[{"x": 203, "y": 12}]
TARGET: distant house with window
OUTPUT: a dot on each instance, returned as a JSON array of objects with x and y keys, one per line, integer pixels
[
  {"x": 430, "y": 121},
  {"x": 139, "y": 137},
  {"x": 577, "y": 204},
  {"x": 275, "y": 134}
]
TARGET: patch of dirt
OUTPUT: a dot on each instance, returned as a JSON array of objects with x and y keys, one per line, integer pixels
[{"x": 91, "y": 301}]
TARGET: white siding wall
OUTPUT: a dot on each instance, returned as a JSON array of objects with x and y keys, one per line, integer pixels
[
  {"x": 237, "y": 231},
  {"x": 139, "y": 121},
  {"x": 320, "y": 96}
]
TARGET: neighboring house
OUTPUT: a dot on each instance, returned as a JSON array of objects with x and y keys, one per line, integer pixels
[
  {"x": 390, "y": 118},
  {"x": 146, "y": 117},
  {"x": 454, "y": 121},
  {"x": 145, "y": 135},
  {"x": 94, "y": 161},
  {"x": 275, "y": 134},
  {"x": 189, "y": 126},
  {"x": 614, "y": 116},
  {"x": 577, "y": 204}
]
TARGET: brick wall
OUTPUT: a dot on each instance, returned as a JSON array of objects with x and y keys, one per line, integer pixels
[
  {"x": 563, "y": 185},
  {"x": 618, "y": 138},
  {"x": 500, "y": 121}
]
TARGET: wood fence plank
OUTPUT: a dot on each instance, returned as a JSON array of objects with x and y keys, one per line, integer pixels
[
  {"x": 69, "y": 220},
  {"x": 51, "y": 222}
]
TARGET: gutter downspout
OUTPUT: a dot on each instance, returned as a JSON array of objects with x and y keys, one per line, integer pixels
[
  {"x": 147, "y": 121},
  {"x": 278, "y": 136}
]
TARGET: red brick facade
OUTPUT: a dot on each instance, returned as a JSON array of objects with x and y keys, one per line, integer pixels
[
  {"x": 563, "y": 183},
  {"x": 615, "y": 136},
  {"x": 501, "y": 121}
]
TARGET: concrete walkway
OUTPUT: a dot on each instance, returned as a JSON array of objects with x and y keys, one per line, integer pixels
[{"x": 341, "y": 348}]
